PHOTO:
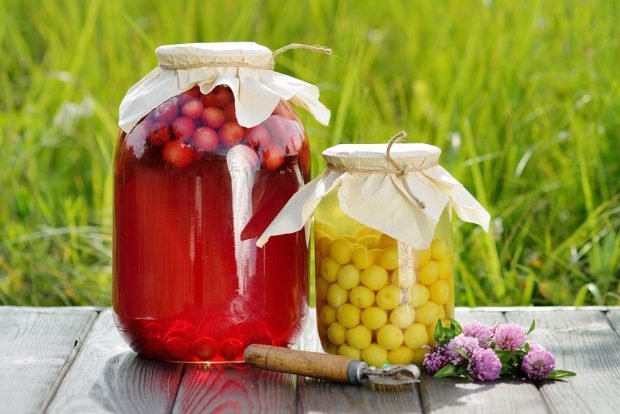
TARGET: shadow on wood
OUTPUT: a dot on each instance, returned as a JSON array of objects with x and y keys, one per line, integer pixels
[
  {"x": 320, "y": 396},
  {"x": 234, "y": 388}
]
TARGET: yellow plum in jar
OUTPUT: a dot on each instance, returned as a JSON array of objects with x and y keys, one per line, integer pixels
[
  {"x": 415, "y": 336},
  {"x": 439, "y": 249},
  {"x": 329, "y": 269},
  {"x": 340, "y": 250},
  {"x": 389, "y": 337},
  {"x": 400, "y": 355},
  {"x": 388, "y": 297},
  {"x": 374, "y": 277},
  {"x": 439, "y": 292},
  {"x": 429, "y": 273},
  {"x": 374, "y": 355},
  {"x": 389, "y": 258},
  {"x": 370, "y": 241},
  {"x": 336, "y": 333},
  {"x": 346, "y": 350},
  {"x": 374, "y": 318},
  {"x": 348, "y": 315},
  {"x": 418, "y": 295},
  {"x": 359, "y": 337},
  {"x": 336, "y": 296},
  {"x": 327, "y": 314},
  {"x": 362, "y": 297},
  {"x": 402, "y": 316},
  {"x": 348, "y": 277},
  {"x": 428, "y": 313},
  {"x": 446, "y": 267},
  {"x": 361, "y": 258}
]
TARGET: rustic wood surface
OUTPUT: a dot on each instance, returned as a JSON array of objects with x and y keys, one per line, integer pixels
[
  {"x": 36, "y": 348},
  {"x": 107, "y": 377},
  {"x": 586, "y": 342},
  {"x": 72, "y": 360}
]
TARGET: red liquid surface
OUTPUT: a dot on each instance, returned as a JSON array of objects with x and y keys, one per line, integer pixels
[{"x": 186, "y": 287}]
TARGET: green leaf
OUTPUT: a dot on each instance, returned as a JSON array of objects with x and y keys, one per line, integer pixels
[
  {"x": 519, "y": 354},
  {"x": 560, "y": 373},
  {"x": 527, "y": 347},
  {"x": 462, "y": 352},
  {"x": 447, "y": 371},
  {"x": 456, "y": 326},
  {"x": 449, "y": 333},
  {"x": 507, "y": 369},
  {"x": 504, "y": 356},
  {"x": 461, "y": 371},
  {"x": 532, "y": 327},
  {"x": 438, "y": 331}
]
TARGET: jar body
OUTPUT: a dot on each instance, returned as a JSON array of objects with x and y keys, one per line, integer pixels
[
  {"x": 377, "y": 299},
  {"x": 189, "y": 282}
]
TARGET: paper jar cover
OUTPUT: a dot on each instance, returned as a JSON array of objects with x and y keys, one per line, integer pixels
[
  {"x": 245, "y": 67},
  {"x": 375, "y": 193}
]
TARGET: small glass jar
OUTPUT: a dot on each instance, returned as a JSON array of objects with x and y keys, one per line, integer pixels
[
  {"x": 383, "y": 248},
  {"x": 377, "y": 299},
  {"x": 197, "y": 180}
]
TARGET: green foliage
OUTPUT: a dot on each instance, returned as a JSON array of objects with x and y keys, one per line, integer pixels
[{"x": 523, "y": 98}]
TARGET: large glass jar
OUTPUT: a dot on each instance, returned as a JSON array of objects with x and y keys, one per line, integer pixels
[
  {"x": 378, "y": 300},
  {"x": 193, "y": 190}
]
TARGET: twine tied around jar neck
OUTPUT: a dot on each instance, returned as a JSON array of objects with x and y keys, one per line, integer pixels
[
  {"x": 213, "y": 62},
  {"x": 401, "y": 171}
]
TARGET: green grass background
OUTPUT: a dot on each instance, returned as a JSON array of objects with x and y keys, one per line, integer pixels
[{"x": 523, "y": 98}]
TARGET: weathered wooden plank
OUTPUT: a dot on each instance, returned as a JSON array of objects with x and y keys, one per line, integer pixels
[
  {"x": 614, "y": 319},
  {"x": 457, "y": 396},
  {"x": 234, "y": 389},
  {"x": 108, "y": 377},
  {"x": 35, "y": 347},
  {"x": 324, "y": 397},
  {"x": 584, "y": 342}
]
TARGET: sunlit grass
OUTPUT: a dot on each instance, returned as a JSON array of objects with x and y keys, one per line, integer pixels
[{"x": 523, "y": 98}]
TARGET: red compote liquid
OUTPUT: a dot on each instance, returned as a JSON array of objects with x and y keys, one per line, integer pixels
[{"x": 193, "y": 190}]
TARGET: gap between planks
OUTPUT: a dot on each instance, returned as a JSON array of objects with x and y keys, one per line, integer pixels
[{"x": 72, "y": 356}]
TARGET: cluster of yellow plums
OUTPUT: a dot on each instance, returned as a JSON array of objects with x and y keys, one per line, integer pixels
[{"x": 376, "y": 303}]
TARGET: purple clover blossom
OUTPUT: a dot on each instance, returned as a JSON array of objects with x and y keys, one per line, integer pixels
[
  {"x": 466, "y": 343},
  {"x": 479, "y": 331},
  {"x": 509, "y": 336},
  {"x": 538, "y": 362},
  {"x": 435, "y": 360},
  {"x": 484, "y": 365}
]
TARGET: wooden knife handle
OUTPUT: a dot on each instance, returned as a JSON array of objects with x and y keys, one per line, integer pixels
[{"x": 310, "y": 364}]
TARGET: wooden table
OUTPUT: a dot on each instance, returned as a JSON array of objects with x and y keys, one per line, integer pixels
[{"x": 72, "y": 360}]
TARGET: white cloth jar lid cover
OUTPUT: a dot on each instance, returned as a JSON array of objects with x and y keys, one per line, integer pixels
[
  {"x": 245, "y": 67},
  {"x": 403, "y": 198}
]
